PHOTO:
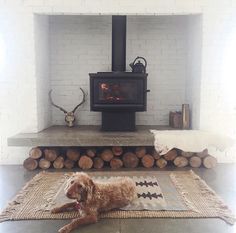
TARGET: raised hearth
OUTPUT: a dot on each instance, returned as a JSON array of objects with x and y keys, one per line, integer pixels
[{"x": 86, "y": 136}]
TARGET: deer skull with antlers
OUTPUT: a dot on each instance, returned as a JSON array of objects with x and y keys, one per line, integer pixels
[{"x": 69, "y": 116}]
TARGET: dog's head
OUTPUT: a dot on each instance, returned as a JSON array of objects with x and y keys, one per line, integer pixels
[{"x": 79, "y": 187}]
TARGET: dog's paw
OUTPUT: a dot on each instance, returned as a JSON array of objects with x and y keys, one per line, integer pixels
[
  {"x": 64, "y": 230},
  {"x": 55, "y": 210}
]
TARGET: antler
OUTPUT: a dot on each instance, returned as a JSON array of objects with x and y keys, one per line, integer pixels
[
  {"x": 83, "y": 100},
  {"x": 50, "y": 97}
]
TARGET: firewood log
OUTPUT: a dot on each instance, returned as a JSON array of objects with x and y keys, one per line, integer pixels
[
  {"x": 202, "y": 154},
  {"x": 98, "y": 163},
  {"x": 73, "y": 154},
  {"x": 209, "y": 161},
  {"x": 116, "y": 163},
  {"x": 147, "y": 161},
  {"x": 30, "y": 164},
  {"x": 69, "y": 164},
  {"x": 140, "y": 151},
  {"x": 58, "y": 162},
  {"x": 91, "y": 152},
  {"x": 35, "y": 153},
  {"x": 85, "y": 162},
  {"x": 130, "y": 160},
  {"x": 117, "y": 150},
  {"x": 44, "y": 163},
  {"x": 161, "y": 163},
  {"x": 180, "y": 161},
  {"x": 106, "y": 155},
  {"x": 195, "y": 161},
  {"x": 155, "y": 154},
  {"x": 187, "y": 154},
  {"x": 50, "y": 154},
  {"x": 170, "y": 155}
]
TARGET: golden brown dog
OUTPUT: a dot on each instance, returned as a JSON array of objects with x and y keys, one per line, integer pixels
[{"x": 94, "y": 197}]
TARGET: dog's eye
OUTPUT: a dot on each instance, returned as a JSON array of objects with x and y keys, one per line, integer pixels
[{"x": 72, "y": 182}]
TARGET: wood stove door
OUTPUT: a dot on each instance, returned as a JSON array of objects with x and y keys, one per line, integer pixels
[{"x": 118, "y": 91}]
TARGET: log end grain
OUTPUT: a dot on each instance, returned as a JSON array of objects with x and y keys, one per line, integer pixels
[
  {"x": 30, "y": 164},
  {"x": 98, "y": 163},
  {"x": 170, "y": 155},
  {"x": 85, "y": 162},
  {"x": 107, "y": 155},
  {"x": 44, "y": 163},
  {"x": 140, "y": 151},
  {"x": 91, "y": 152},
  {"x": 180, "y": 161},
  {"x": 161, "y": 163},
  {"x": 35, "y": 153},
  {"x": 73, "y": 154},
  {"x": 117, "y": 150},
  {"x": 58, "y": 162},
  {"x": 130, "y": 160},
  {"x": 155, "y": 154},
  {"x": 116, "y": 163},
  {"x": 187, "y": 154},
  {"x": 209, "y": 161},
  {"x": 147, "y": 161},
  {"x": 50, "y": 154},
  {"x": 195, "y": 161},
  {"x": 69, "y": 164}
]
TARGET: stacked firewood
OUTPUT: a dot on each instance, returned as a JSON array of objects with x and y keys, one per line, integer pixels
[{"x": 114, "y": 157}]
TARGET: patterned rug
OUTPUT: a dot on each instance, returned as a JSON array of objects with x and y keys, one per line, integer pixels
[
  {"x": 164, "y": 194},
  {"x": 149, "y": 194}
]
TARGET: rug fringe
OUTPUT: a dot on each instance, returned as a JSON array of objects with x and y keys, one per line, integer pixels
[
  {"x": 7, "y": 213},
  {"x": 184, "y": 193},
  {"x": 215, "y": 203}
]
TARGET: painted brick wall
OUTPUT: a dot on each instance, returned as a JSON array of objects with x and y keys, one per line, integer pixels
[
  {"x": 41, "y": 32},
  {"x": 79, "y": 45},
  {"x": 194, "y": 61},
  {"x": 82, "y": 44},
  {"x": 161, "y": 40}
]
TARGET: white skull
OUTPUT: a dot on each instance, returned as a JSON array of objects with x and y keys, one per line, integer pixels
[{"x": 70, "y": 119}]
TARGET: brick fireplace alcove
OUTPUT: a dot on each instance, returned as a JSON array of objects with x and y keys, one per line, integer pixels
[{"x": 70, "y": 47}]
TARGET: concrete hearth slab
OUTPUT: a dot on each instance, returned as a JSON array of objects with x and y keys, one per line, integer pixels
[{"x": 85, "y": 136}]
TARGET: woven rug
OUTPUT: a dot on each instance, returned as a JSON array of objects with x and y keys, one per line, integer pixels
[{"x": 161, "y": 194}]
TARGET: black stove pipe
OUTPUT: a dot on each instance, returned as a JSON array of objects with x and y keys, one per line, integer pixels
[{"x": 118, "y": 43}]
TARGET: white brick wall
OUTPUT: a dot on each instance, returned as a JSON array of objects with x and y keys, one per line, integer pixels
[
  {"x": 161, "y": 40},
  {"x": 41, "y": 33},
  {"x": 82, "y": 44},
  {"x": 79, "y": 45},
  {"x": 18, "y": 95},
  {"x": 193, "y": 77}
]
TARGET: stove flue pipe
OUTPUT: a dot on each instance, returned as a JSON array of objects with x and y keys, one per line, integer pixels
[{"x": 118, "y": 43}]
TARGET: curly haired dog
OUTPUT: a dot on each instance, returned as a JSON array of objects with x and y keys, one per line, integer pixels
[{"x": 94, "y": 197}]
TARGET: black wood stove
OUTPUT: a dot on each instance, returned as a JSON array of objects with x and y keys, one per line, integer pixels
[{"x": 118, "y": 94}]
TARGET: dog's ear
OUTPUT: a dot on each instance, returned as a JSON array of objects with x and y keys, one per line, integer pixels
[
  {"x": 91, "y": 183},
  {"x": 84, "y": 194},
  {"x": 89, "y": 187}
]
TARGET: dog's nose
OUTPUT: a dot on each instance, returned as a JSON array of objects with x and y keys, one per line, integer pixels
[{"x": 69, "y": 195}]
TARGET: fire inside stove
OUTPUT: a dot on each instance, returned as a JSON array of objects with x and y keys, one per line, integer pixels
[{"x": 117, "y": 91}]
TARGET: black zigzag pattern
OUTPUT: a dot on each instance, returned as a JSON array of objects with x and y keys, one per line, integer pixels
[
  {"x": 150, "y": 195},
  {"x": 145, "y": 183}
]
